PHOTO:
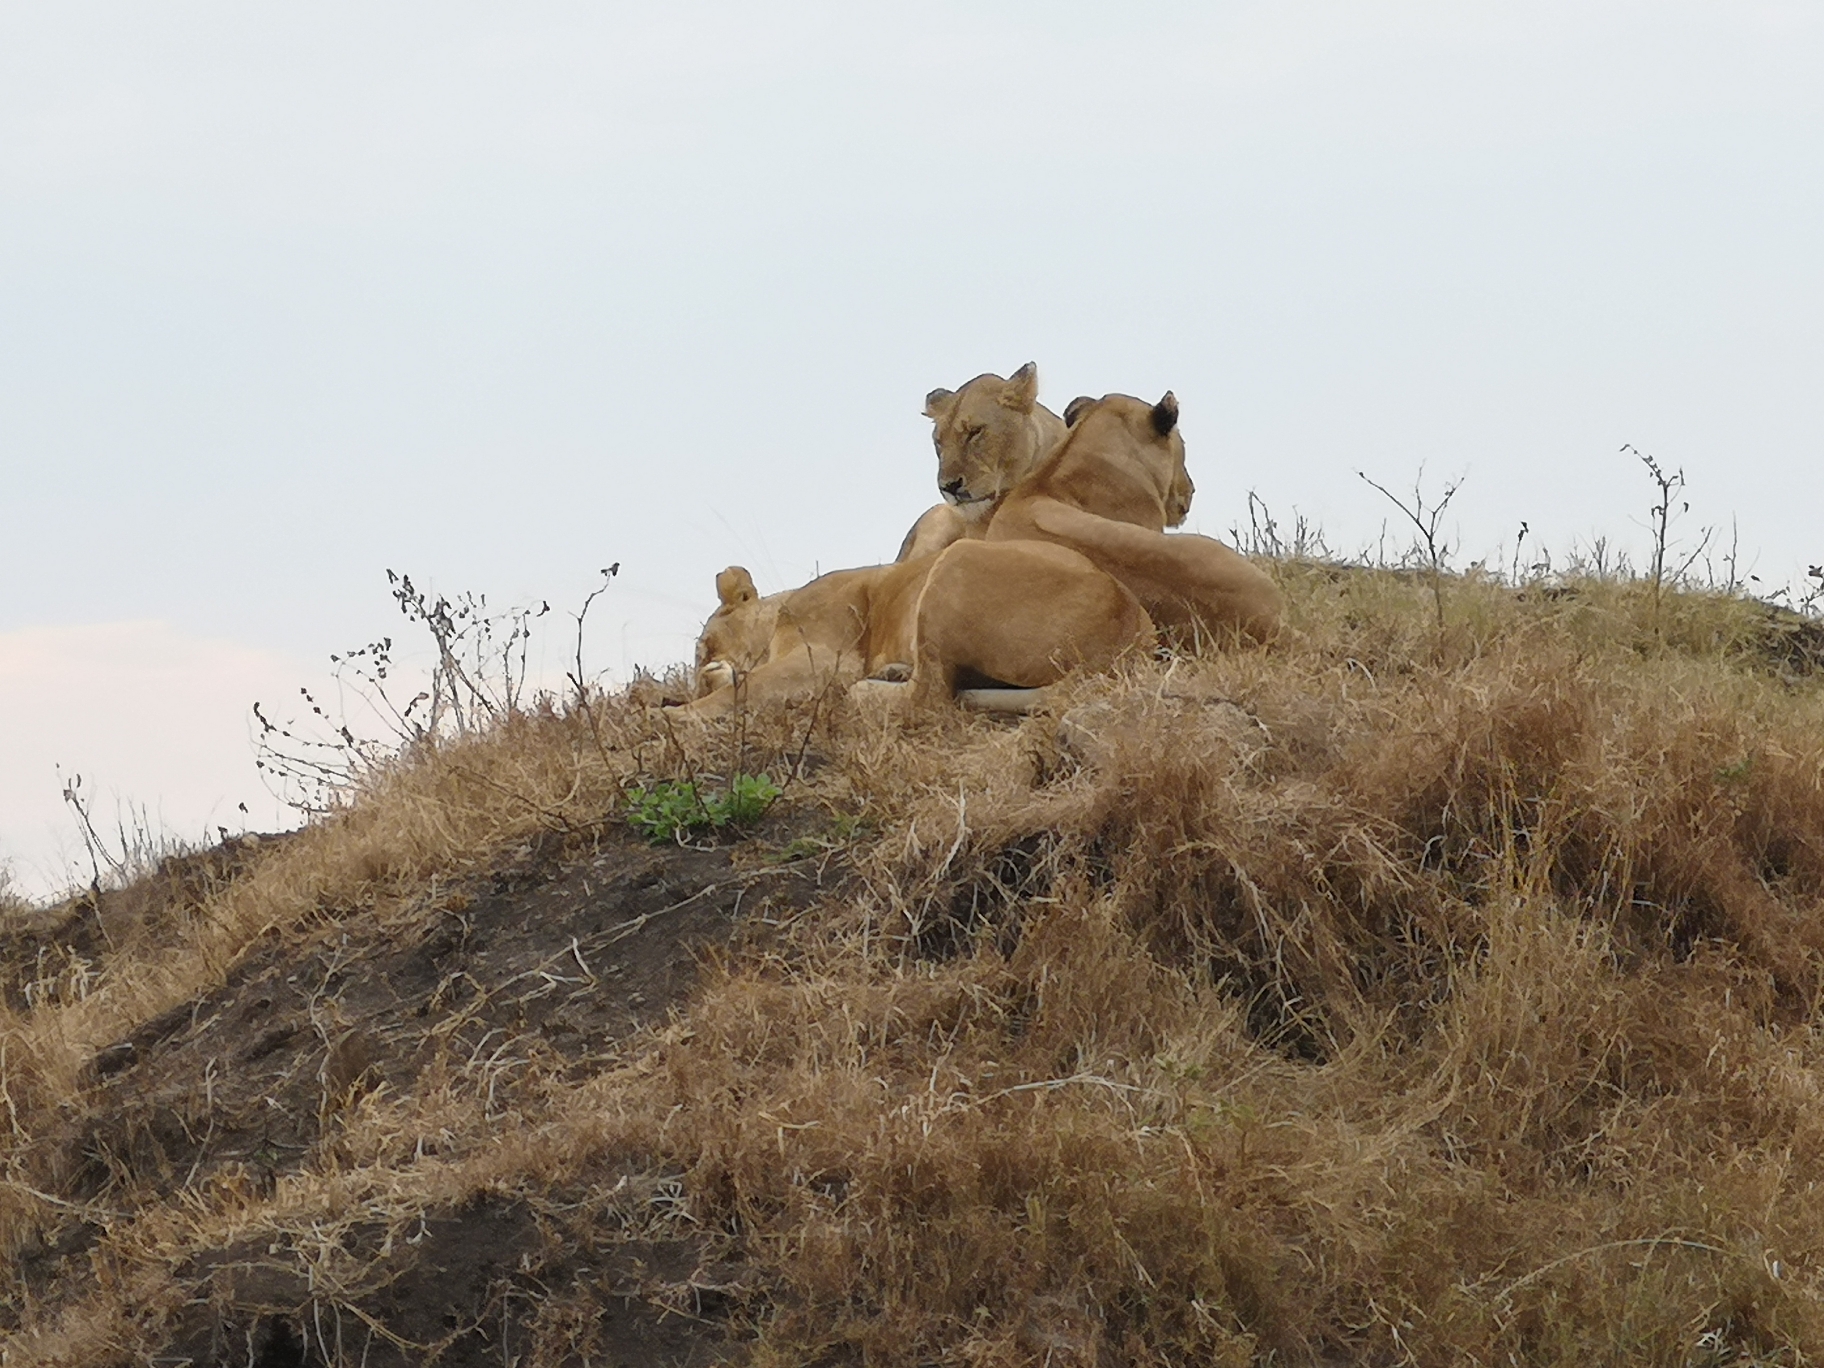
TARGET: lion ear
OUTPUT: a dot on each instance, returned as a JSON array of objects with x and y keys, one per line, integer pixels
[
  {"x": 1074, "y": 409},
  {"x": 734, "y": 585},
  {"x": 939, "y": 402},
  {"x": 1022, "y": 389},
  {"x": 1165, "y": 415}
]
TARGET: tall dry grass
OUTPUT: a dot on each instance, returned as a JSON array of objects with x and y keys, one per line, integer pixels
[
  {"x": 1464, "y": 1013},
  {"x": 1412, "y": 992}
]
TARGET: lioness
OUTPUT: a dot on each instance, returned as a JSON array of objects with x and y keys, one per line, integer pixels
[
  {"x": 1019, "y": 614},
  {"x": 1012, "y": 615},
  {"x": 1110, "y": 490},
  {"x": 840, "y": 626},
  {"x": 738, "y": 634},
  {"x": 988, "y": 435}
]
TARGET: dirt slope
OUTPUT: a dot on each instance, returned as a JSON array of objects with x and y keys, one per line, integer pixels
[
  {"x": 561, "y": 955},
  {"x": 1441, "y": 986}
]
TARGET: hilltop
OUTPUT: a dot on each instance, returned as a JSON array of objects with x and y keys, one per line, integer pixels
[{"x": 1439, "y": 985}]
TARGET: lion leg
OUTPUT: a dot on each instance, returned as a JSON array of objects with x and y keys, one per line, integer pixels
[
  {"x": 890, "y": 639},
  {"x": 1213, "y": 594},
  {"x": 717, "y": 703},
  {"x": 1022, "y": 614},
  {"x": 1003, "y": 702},
  {"x": 935, "y": 529},
  {"x": 933, "y": 678},
  {"x": 1227, "y": 594},
  {"x": 1192, "y": 585},
  {"x": 879, "y": 699}
]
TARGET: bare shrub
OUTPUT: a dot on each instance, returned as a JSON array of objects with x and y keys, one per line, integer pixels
[{"x": 478, "y": 679}]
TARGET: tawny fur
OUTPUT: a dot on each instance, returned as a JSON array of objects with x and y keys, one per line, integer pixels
[
  {"x": 989, "y": 435},
  {"x": 840, "y": 627},
  {"x": 1110, "y": 490},
  {"x": 1022, "y": 614},
  {"x": 738, "y": 634},
  {"x": 1075, "y": 570}
]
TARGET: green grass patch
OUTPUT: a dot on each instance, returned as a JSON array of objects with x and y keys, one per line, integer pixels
[{"x": 671, "y": 810}]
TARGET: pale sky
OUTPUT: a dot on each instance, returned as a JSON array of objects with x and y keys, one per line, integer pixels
[{"x": 498, "y": 294}]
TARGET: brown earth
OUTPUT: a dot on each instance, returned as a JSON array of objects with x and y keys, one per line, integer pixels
[{"x": 562, "y": 954}]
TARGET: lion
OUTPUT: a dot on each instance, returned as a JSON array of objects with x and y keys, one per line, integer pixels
[
  {"x": 974, "y": 620},
  {"x": 1072, "y": 570},
  {"x": 836, "y": 629},
  {"x": 738, "y": 634},
  {"x": 988, "y": 435},
  {"x": 1109, "y": 490},
  {"x": 1018, "y": 615}
]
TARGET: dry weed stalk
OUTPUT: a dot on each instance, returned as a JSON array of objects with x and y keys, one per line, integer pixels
[{"x": 1426, "y": 519}]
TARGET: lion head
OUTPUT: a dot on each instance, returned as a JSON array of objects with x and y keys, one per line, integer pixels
[
  {"x": 989, "y": 435},
  {"x": 738, "y": 633},
  {"x": 1151, "y": 428}
]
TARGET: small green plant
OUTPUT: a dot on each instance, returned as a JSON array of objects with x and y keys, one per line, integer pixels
[
  {"x": 844, "y": 827},
  {"x": 1736, "y": 771},
  {"x": 670, "y": 810},
  {"x": 748, "y": 798}
]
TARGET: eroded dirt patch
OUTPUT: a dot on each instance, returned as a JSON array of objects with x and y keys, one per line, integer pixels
[
  {"x": 497, "y": 1281},
  {"x": 559, "y": 959}
]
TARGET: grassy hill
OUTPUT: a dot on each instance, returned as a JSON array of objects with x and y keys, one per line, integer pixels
[{"x": 1440, "y": 986}]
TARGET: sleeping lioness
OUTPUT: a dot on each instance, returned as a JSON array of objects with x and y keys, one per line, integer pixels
[
  {"x": 1016, "y": 615},
  {"x": 738, "y": 634},
  {"x": 1109, "y": 491},
  {"x": 836, "y": 629},
  {"x": 988, "y": 435}
]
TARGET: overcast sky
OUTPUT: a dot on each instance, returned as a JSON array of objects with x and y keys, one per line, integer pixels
[{"x": 498, "y": 294}]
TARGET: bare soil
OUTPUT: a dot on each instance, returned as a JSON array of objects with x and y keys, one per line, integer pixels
[{"x": 565, "y": 952}]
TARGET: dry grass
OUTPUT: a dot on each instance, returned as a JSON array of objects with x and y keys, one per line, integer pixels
[{"x": 1405, "y": 993}]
